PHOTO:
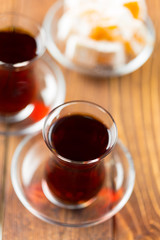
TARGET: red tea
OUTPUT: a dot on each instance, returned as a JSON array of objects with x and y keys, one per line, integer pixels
[
  {"x": 79, "y": 138},
  {"x": 17, "y": 85}
]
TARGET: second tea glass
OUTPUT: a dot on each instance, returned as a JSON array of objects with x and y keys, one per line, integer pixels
[
  {"x": 18, "y": 87},
  {"x": 30, "y": 82}
]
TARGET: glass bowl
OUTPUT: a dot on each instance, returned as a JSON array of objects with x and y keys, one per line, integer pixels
[
  {"x": 57, "y": 49},
  {"x": 27, "y": 172}
]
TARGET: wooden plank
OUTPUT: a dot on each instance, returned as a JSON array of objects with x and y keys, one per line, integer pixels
[
  {"x": 141, "y": 117},
  {"x": 3, "y": 142}
]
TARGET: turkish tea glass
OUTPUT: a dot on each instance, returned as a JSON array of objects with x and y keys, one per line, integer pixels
[
  {"x": 18, "y": 80},
  {"x": 74, "y": 182}
]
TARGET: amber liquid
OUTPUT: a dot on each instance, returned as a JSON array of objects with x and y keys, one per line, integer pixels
[
  {"x": 17, "y": 85},
  {"x": 78, "y": 138}
]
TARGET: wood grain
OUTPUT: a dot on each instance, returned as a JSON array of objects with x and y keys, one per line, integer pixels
[
  {"x": 134, "y": 101},
  {"x": 2, "y": 178}
]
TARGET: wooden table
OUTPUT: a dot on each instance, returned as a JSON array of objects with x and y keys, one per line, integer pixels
[{"x": 134, "y": 101}]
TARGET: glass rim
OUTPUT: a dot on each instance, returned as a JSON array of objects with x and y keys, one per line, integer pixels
[
  {"x": 53, "y": 150},
  {"x": 41, "y": 31}
]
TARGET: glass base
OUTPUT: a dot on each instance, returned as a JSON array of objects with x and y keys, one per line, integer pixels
[
  {"x": 59, "y": 203},
  {"x": 51, "y": 93},
  {"x": 27, "y": 174}
]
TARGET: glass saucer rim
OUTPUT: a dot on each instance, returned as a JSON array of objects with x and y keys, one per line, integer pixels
[
  {"x": 60, "y": 98},
  {"x": 19, "y": 191},
  {"x": 125, "y": 69}
]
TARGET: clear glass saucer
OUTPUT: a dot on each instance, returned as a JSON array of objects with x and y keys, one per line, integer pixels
[
  {"x": 51, "y": 93},
  {"x": 57, "y": 50},
  {"x": 27, "y": 174}
]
